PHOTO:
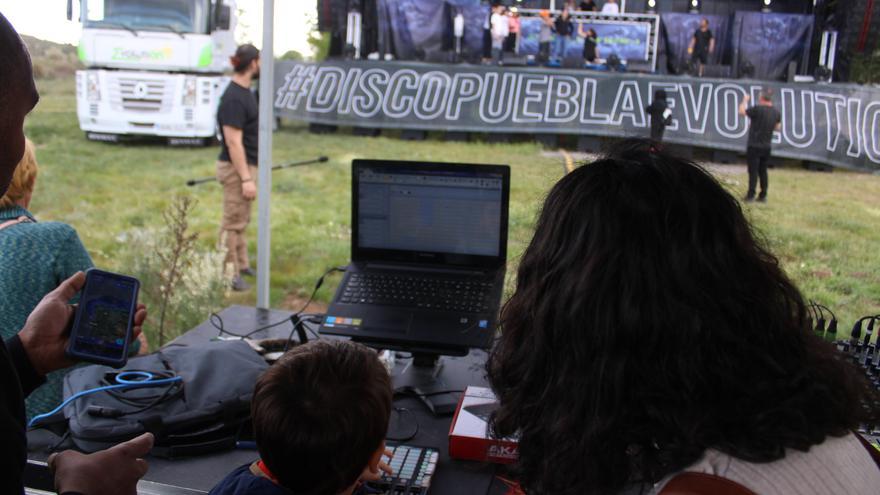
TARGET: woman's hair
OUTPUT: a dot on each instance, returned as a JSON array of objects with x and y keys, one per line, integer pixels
[
  {"x": 648, "y": 325},
  {"x": 23, "y": 179},
  {"x": 244, "y": 55}
]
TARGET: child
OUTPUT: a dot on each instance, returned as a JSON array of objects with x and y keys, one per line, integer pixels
[{"x": 320, "y": 416}]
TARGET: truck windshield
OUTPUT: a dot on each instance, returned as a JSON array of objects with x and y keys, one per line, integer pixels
[{"x": 181, "y": 16}]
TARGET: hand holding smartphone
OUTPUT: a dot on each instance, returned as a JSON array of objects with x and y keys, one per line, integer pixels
[{"x": 104, "y": 322}]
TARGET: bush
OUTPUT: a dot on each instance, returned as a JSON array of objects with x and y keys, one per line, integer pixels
[{"x": 181, "y": 284}]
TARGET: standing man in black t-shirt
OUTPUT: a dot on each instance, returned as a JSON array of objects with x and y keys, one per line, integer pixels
[
  {"x": 764, "y": 120},
  {"x": 702, "y": 44},
  {"x": 238, "y": 122}
]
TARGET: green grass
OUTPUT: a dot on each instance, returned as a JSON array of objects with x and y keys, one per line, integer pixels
[{"x": 824, "y": 227}]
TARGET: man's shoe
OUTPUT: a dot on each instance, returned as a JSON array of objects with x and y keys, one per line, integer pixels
[
  {"x": 239, "y": 285},
  {"x": 248, "y": 272},
  {"x": 749, "y": 199},
  {"x": 762, "y": 199}
]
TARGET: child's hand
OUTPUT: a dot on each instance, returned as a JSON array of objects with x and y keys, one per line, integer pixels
[{"x": 375, "y": 475}]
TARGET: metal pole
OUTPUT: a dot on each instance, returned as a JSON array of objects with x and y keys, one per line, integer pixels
[{"x": 267, "y": 92}]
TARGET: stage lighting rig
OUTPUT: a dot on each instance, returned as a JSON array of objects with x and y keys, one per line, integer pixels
[
  {"x": 695, "y": 7},
  {"x": 652, "y": 6},
  {"x": 766, "y": 7}
]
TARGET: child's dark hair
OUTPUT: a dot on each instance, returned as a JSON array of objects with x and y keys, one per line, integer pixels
[{"x": 319, "y": 415}]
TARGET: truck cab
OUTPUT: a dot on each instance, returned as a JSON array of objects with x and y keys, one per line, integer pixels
[{"x": 153, "y": 68}]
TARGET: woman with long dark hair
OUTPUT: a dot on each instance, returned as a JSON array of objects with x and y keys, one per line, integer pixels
[{"x": 651, "y": 333}]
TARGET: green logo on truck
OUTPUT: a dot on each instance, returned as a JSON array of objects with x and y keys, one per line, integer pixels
[{"x": 129, "y": 55}]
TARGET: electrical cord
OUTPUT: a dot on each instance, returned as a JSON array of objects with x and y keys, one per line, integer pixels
[
  {"x": 217, "y": 322},
  {"x": 408, "y": 437},
  {"x": 122, "y": 382},
  {"x": 295, "y": 318}
]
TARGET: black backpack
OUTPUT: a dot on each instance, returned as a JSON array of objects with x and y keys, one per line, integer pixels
[{"x": 202, "y": 413}]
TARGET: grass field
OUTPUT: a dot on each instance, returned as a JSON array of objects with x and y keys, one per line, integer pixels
[{"x": 824, "y": 227}]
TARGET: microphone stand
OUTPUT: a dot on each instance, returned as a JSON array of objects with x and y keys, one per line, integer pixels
[{"x": 321, "y": 159}]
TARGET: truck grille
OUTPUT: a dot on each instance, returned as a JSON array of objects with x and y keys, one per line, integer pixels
[{"x": 138, "y": 94}]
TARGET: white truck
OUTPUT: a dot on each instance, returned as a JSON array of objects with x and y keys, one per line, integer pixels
[{"x": 153, "y": 68}]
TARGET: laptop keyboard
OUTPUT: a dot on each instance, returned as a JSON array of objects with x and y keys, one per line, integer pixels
[{"x": 414, "y": 291}]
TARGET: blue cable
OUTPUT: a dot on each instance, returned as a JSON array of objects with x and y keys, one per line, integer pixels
[{"x": 121, "y": 383}]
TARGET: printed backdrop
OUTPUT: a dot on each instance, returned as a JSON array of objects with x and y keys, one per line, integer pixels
[{"x": 834, "y": 124}]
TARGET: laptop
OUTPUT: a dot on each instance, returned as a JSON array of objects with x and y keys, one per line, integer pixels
[{"x": 428, "y": 256}]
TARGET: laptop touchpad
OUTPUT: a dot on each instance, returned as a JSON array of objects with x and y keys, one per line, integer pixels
[{"x": 392, "y": 322}]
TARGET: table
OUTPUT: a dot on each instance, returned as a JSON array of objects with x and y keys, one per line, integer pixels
[{"x": 203, "y": 472}]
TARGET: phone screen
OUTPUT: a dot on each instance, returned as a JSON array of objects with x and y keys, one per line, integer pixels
[{"x": 105, "y": 315}]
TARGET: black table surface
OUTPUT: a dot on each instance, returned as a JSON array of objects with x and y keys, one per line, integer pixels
[{"x": 451, "y": 477}]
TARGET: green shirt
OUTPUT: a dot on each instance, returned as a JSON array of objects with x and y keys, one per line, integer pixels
[{"x": 34, "y": 259}]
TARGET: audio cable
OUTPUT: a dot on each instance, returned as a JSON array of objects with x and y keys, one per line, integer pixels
[{"x": 125, "y": 380}]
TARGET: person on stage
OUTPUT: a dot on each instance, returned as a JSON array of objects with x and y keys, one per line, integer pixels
[
  {"x": 564, "y": 29},
  {"x": 702, "y": 45},
  {"x": 764, "y": 119},
  {"x": 511, "y": 44},
  {"x": 545, "y": 37},
  {"x": 238, "y": 121},
  {"x": 487, "y": 35},
  {"x": 589, "y": 6},
  {"x": 500, "y": 32},
  {"x": 591, "y": 43},
  {"x": 611, "y": 8},
  {"x": 661, "y": 115}
]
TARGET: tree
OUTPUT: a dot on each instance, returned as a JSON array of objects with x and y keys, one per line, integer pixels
[
  {"x": 293, "y": 55},
  {"x": 320, "y": 44}
]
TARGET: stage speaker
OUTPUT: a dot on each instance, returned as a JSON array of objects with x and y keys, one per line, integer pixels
[
  {"x": 573, "y": 63},
  {"x": 639, "y": 66},
  {"x": 717, "y": 71},
  {"x": 511, "y": 60}
]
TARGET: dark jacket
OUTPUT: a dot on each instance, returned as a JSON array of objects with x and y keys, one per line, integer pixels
[
  {"x": 656, "y": 110},
  {"x": 17, "y": 379}
]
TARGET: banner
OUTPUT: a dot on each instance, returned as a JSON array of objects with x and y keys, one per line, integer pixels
[
  {"x": 422, "y": 29},
  {"x": 770, "y": 41},
  {"x": 678, "y": 31},
  {"x": 629, "y": 40},
  {"x": 834, "y": 124}
]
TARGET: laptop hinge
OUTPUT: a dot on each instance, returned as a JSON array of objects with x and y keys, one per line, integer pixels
[{"x": 428, "y": 269}]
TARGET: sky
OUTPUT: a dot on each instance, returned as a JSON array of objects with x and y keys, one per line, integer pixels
[{"x": 47, "y": 19}]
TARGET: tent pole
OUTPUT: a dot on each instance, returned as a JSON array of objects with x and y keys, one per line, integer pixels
[{"x": 267, "y": 92}]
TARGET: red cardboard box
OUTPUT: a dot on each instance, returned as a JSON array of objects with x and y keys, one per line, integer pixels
[{"x": 469, "y": 433}]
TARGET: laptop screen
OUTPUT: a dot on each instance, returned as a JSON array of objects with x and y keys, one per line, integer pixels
[{"x": 459, "y": 211}]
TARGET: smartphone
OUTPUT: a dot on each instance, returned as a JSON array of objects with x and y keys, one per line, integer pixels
[{"x": 104, "y": 320}]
